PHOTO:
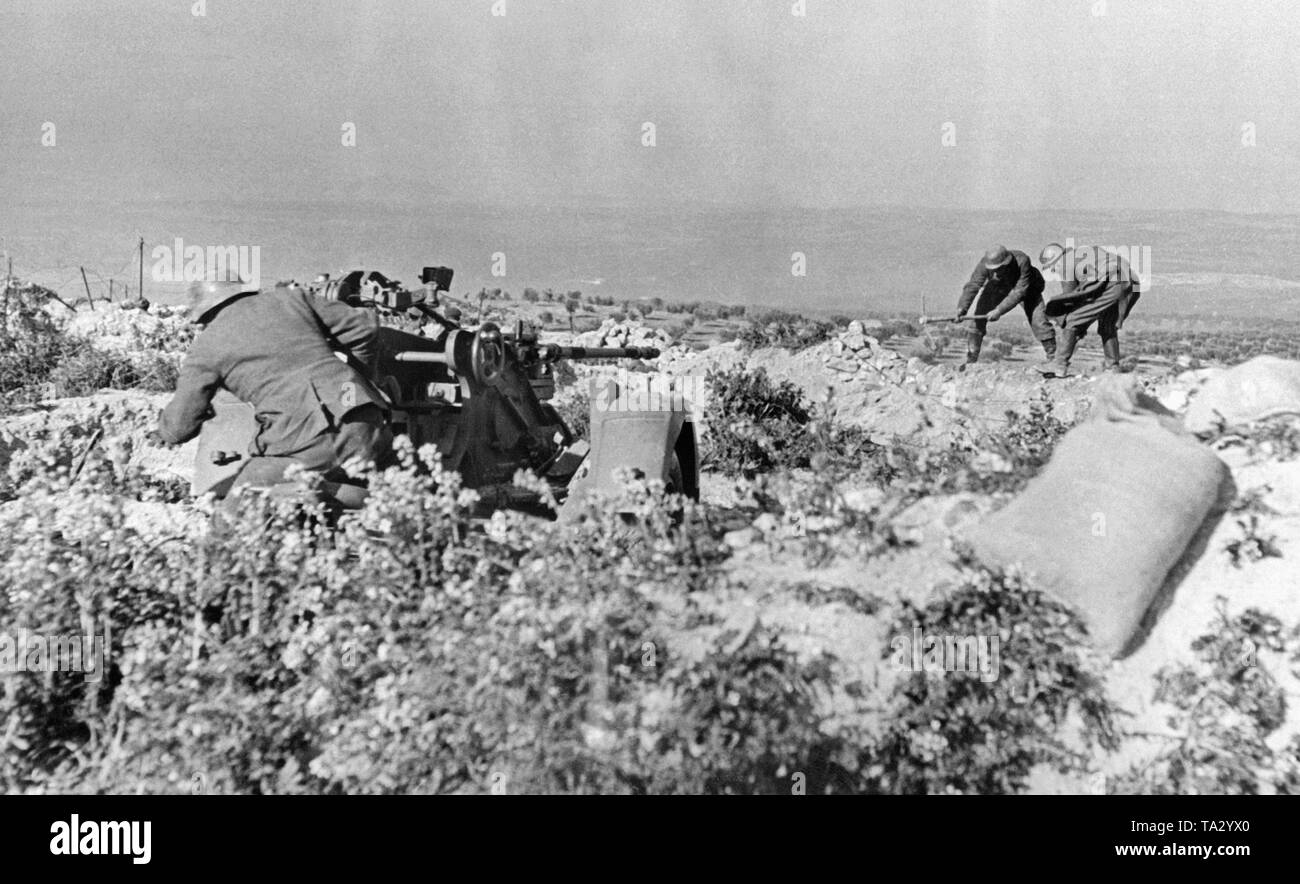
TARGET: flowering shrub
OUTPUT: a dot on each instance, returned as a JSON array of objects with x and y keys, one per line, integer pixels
[
  {"x": 969, "y": 734},
  {"x": 411, "y": 647},
  {"x": 1226, "y": 705},
  {"x": 406, "y": 649}
]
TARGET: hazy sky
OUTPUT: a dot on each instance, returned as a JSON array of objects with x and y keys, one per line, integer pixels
[{"x": 1052, "y": 105}]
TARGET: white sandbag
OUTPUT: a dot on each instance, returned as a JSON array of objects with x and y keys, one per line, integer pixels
[
  {"x": 1119, "y": 505},
  {"x": 1260, "y": 388}
]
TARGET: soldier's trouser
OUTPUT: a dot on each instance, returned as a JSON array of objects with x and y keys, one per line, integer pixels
[
  {"x": 363, "y": 433},
  {"x": 1035, "y": 315}
]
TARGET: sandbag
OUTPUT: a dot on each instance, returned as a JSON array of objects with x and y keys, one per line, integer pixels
[
  {"x": 1260, "y": 388},
  {"x": 1107, "y": 524}
]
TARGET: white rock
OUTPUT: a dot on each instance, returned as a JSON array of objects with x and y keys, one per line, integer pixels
[{"x": 741, "y": 538}]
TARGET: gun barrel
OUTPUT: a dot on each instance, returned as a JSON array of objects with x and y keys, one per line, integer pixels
[
  {"x": 421, "y": 356},
  {"x": 551, "y": 351}
]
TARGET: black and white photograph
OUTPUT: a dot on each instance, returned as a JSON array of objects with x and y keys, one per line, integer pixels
[{"x": 517, "y": 398}]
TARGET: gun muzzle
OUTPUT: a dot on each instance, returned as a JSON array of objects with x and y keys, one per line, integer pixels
[{"x": 552, "y": 351}]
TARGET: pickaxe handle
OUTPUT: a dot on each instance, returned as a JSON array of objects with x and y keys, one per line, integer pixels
[{"x": 925, "y": 320}]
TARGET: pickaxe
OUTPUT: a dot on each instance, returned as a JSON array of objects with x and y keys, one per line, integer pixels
[{"x": 926, "y": 320}]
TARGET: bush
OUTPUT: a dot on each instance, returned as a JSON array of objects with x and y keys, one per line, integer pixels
[
  {"x": 756, "y": 425},
  {"x": 779, "y": 328},
  {"x": 1226, "y": 706},
  {"x": 31, "y": 346},
  {"x": 963, "y": 733},
  {"x": 575, "y": 410},
  {"x": 402, "y": 651},
  {"x": 86, "y": 370},
  {"x": 39, "y": 360}
]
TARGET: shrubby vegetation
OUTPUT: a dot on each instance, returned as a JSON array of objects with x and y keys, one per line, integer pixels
[
  {"x": 408, "y": 649},
  {"x": 1226, "y": 705},
  {"x": 39, "y": 360},
  {"x": 779, "y": 328},
  {"x": 758, "y": 426},
  {"x": 967, "y": 735},
  {"x": 1222, "y": 345},
  {"x": 413, "y": 647}
]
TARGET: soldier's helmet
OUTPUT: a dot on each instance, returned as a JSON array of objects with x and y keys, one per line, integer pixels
[
  {"x": 205, "y": 297},
  {"x": 996, "y": 257}
]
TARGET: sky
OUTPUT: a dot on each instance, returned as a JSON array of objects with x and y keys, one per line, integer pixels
[{"x": 999, "y": 104}]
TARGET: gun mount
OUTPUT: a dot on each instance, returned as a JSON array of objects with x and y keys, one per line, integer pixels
[{"x": 482, "y": 396}]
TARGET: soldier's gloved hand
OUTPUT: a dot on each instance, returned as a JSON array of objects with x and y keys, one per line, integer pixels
[{"x": 994, "y": 315}]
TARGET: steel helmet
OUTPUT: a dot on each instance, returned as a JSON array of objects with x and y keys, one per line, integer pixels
[
  {"x": 996, "y": 257},
  {"x": 207, "y": 296}
]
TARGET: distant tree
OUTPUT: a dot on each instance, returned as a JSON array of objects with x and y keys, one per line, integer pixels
[
  {"x": 546, "y": 317},
  {"x": 530, "y": 294},
  {"x": 571, "y": 305},
  {"x": 548, "y": 295}
]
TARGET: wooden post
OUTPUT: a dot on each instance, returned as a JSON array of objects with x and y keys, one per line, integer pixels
[
  {"x": 110, "y": 291},
  {"x": 141, "y": 293},
  {"x": 89, "y": 299},
  {"x": 9, "y": 275}
]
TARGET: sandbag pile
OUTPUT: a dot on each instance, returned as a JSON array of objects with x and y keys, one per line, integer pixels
[
  {"x": 1258, "y": 389},
  {"x": 1113, "y": 520}
]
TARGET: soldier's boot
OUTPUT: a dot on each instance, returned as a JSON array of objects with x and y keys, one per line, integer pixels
[
  {"x": 1110, "y": 352},
  {"x": 974, "y": 341},
  {"x": 1049, "y": 347},
  {"x": 1059, "y": 367}
]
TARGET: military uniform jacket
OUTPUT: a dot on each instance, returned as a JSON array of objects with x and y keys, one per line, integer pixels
[
  {"x": 276, "y": 351},
  {"x": 1004, "y": 287}
]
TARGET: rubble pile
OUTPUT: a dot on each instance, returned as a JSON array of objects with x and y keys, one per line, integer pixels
[{"x": 624, "y": 334}]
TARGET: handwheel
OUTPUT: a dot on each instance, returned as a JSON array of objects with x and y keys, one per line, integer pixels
[{"x": 487, "y": 354}]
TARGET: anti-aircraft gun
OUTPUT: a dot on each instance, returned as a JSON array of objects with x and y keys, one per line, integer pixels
[{"x": 482, "y": 396}]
